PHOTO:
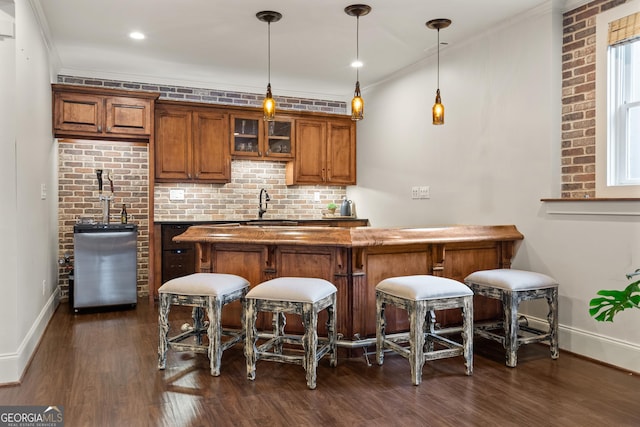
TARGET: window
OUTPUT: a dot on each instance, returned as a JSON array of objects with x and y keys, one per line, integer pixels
[
  {"x": 618, "y": 102},
  {"x": 623, "y": 109}
]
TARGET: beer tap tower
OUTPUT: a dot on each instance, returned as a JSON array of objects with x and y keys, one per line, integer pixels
[{"x": 105, "y": 200}]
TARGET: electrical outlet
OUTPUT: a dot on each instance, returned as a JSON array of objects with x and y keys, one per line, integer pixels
[
  {"x": 415, "y": 192},
  {"x": 316, "y": 196},
  {"x": 425, "y": 192},
  {"x": 44, "y": 287},
  {"x": 176, "y": 194},
  {"x": 43, "y": 191}
]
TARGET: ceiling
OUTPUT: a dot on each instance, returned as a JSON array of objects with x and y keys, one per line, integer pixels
[{"x": 221, "y": 44}]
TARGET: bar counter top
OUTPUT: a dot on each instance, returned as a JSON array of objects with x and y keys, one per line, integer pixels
[{"x": 347, "y": 236}]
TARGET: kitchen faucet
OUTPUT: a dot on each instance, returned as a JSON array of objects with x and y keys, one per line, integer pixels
[{"x": 261, "y": 211}]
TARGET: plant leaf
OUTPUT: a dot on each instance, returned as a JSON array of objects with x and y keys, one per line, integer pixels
[{"x": 612, "y": 302}]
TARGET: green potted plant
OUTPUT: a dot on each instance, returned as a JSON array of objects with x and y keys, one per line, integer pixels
[
  {"x": 611, "y": 302},
  {"x": 331, "y": 207}
]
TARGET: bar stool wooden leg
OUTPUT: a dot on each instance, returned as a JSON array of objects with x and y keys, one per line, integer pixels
[
  {"x": 214, "y": 311},
  {"x": 310, "y": 343},
  {"x": 467, "y": 334},
  {"x": 163, "y": 322},
  {"x": 250, "y": 316},
  {"x": 381, "y": 323},
  {"x": 417, "y": 312},
  {"x": 331, "y": 331},
  {"x": 552, "y": 317},
  {"x": 510, "y": 304}
]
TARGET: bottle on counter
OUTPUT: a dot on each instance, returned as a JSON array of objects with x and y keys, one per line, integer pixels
[{"x": 123, "y": 215}]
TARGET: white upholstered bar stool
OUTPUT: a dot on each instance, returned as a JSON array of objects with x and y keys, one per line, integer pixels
[
  {"x": 299, "y": 295},
  {"x": 511, "y": 287},
  {"x": 419, "y": 295},
  {"x": 206, "y": 293}
]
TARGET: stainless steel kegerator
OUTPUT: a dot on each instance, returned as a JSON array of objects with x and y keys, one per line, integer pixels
[{"x": 105, "y": 265}]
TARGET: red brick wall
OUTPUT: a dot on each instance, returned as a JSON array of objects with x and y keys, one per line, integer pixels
[
  {"x": 579, "y": 99},
  {"x": 78, "y": 194}
]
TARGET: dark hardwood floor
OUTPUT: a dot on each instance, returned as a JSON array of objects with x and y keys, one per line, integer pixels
[{"x": 102, "y": 368}]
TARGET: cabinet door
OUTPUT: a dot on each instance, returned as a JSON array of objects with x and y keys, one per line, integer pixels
[
  {"x": 309, "y": 165},
  {"x": 247, "y": 135},
  {"x": 279, "y": 139},
  {"x": 211, "y": 160},
  {"x": 130, "y": 116},
  {"x": 341, "y": 152},
  {"x": 173, "y": 157},
  {"x": 78, "y": 112}
]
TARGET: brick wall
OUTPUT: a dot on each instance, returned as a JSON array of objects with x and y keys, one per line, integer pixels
[
  {"x": 579, "y": 99},
  {"x": 212, "y": 96},
  {"x": 78, "y": 194},
  {"x": 239, "y": 198}
]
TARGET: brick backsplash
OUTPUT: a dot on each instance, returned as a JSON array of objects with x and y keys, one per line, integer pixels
[
  {"x": 212, "y": 96},
  {"x": 128, "y": 164},
  {"x": 579, "y": 99},
  {"x": 238, "y": 200}
]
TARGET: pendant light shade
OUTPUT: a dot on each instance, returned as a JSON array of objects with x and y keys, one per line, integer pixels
[
  {"x": 269, "y": 104},
  {"x": 438, "y": 109},
  {"x": 357, "y": 103}
]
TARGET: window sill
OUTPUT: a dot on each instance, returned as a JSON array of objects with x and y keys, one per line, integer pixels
[{"x": 593, "y": 206}]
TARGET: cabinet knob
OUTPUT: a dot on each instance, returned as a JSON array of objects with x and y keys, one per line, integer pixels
[
  {"x": 259, "y": 153},
  {"x": 99, "y": 128},
  {"x": 189, "y": 175},
  {"x": 109, "y": 129}
]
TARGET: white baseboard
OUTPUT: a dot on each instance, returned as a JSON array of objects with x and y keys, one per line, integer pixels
[
  {"x": 608, "y": 350},
  {"x": 13, "y": 365}
]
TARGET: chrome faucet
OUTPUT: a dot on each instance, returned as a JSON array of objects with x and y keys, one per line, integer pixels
[{"x": 263, "y": 193}]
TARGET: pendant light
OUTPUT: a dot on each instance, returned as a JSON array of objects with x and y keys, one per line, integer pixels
[
  {"x": 438, "y": 108},
  {"x": 357, "y": 104},
  {"x": 269, "y": 104}
]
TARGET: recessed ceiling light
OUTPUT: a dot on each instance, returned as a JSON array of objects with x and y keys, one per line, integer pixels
[
  {"x": 137, "y": 35},
  {"x": 356, "y": 64}
]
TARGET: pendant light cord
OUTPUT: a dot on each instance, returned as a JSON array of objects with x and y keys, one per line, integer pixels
[
  {"x": 269, "y": 52},
  {"x": 358, "y": 48},
  {"x": 438, "y": 59}
]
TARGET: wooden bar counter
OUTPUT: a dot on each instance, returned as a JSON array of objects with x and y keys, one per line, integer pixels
[{"x": 354, "y": 259}]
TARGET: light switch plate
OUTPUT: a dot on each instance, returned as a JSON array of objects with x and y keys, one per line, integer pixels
[
  {"x": 425, "y": 192},
  {"x": 176, "y": 194}
]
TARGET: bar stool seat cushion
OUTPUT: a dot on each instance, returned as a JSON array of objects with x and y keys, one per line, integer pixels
[
  {"x": 204, "y": 284},
  {"x": 514, "y": 280},
  {"x": 423, "y": 287},
  {"x": 293, "y": 289}
]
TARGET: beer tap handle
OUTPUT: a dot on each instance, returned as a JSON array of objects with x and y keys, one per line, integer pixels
[
  {"x": 99, "y": 175},
  {"x": 110, "y": 182}
]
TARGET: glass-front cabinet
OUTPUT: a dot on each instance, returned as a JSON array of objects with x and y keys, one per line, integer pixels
[{"x": 253, "y": 137}]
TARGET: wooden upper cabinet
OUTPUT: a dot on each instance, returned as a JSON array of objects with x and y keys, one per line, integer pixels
[
  {"x": 191, "y": 144},
  {"x": 309, "y": 166},
  {"x": 173, "y": 147},
  {"x": 92, "y": 113},
  {"x": 341, "y": 152},
  {"x": 254, "y": 138},
  {"x": 325, "y": 152},
  {"x": 211, "y": 160},
  {"x": 128, "y": 116}
]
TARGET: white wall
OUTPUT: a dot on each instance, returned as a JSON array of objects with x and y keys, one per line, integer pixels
[
  {"x": 8, "y": 256},
  {"x": 491, "y": 163},
  {"x": 27, "y": 218}
]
